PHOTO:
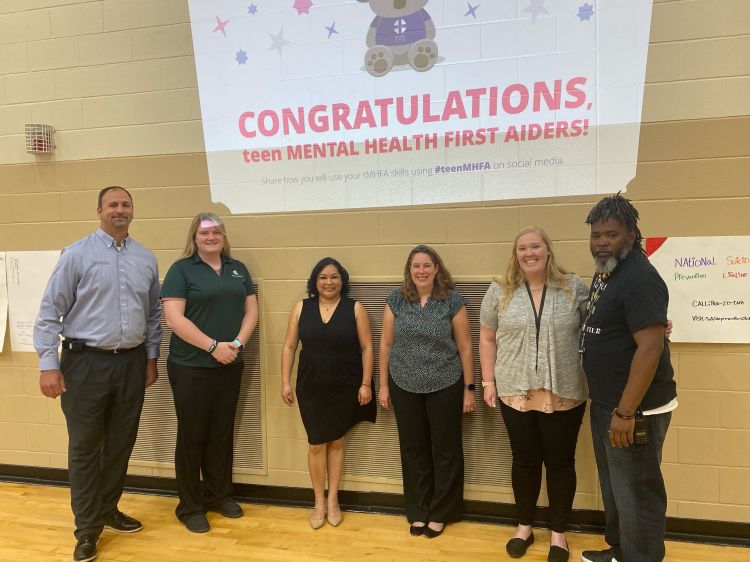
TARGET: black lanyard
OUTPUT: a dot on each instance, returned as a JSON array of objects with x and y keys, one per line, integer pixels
[{"x": 537, "y": 317}]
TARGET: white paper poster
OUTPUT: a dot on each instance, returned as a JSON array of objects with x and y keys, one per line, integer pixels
[
  {"x": 27, "y": 274},
  {"x": 329, "y": 104},
  {"x": 3, "y": 302},
  {"x": 709, "y": 286}
]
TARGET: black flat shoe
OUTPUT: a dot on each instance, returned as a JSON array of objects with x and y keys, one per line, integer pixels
[
  {"x": 557, "y": 554},
  {"x": 196, "y": 523},
  {"x": 85, "y": 549},
  {"x": 431, "y": 533},
  {"x": 517, "y": 547},
  {"x": 416, "y": 531},
  {"x": 118, "y": 521},
  {"x": 229, "y": 509}
]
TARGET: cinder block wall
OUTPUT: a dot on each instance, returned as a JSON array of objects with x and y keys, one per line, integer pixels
[{"x": 116, "y": 78}]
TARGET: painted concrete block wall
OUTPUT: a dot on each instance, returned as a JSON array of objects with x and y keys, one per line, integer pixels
[{"x": 116, "y": 78}]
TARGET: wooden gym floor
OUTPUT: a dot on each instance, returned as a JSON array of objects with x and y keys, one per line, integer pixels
[{"x": 36, "y": 525}]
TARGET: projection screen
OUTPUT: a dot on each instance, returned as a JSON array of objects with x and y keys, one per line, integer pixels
[{"x": 334, "y": 104}]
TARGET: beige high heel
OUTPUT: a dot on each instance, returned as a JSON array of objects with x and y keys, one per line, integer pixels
[
  {"x": 317, "y": 522},
  {"x": 335, "y": 521}
]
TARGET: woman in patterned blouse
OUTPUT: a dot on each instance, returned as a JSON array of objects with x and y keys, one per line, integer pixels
[
  {"x": 528, "y": 348},
  {"x": 426, "y": 371}
]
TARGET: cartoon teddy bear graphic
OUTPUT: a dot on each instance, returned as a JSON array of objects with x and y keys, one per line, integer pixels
[{"x": 402, "y": 33}]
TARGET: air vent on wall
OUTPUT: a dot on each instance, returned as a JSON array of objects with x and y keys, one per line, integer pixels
[
  {"x": 157, "y": 432},
  {"x": 372, "y": 451}
]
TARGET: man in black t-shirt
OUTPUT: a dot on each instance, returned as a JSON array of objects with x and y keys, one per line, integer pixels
[{"x": 631, "y": 381}]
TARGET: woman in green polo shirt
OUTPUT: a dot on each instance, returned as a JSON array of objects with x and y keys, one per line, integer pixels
[{"x": 210, "y": 304}]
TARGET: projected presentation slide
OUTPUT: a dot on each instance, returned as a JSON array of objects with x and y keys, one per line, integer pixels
[{"x": 335, "y": 104}]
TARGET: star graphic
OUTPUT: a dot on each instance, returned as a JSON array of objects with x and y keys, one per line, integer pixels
[
  {"x": 277, "y": 41},
  {"x": 302, "y": 6},
  {"x": 252, "y": 9},
  {"x": 535, "y": 8},
  {"x": 585, "y": 12},
  {"x": 472, "y": 10},
  {"x": 331, "y": 30},
  {"x": 220, "y": 25},
  {"x": 241, "y": 57}
]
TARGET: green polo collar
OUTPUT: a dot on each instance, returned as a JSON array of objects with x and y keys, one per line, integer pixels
[{"x": 195, "y": 258}]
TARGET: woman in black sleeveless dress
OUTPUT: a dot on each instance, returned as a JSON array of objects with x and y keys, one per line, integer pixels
[{"x": 334, "y": 377}]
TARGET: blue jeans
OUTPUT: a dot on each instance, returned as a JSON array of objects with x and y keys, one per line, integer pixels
[{"x": 635, "y": 499}]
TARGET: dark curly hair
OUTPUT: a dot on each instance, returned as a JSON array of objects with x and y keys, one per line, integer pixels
[
  {"x": 620, "y": 209},
  {"x": 312, "y": 289}
]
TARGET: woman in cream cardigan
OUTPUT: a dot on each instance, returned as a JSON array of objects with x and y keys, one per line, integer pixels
[{"x": 530, "y": 325}]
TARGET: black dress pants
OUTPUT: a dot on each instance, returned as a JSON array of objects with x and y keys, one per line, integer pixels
[
  {"x": 432, "y": 456},
  {"x": 538, "y": 438},
  {"x": 102, "y": 404},
  {"x": 205, "y": 400}
]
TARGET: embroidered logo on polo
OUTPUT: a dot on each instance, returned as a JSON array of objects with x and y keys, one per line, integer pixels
[{"x": 236, "y": 274}]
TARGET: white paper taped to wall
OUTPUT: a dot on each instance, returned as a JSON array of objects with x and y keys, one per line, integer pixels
[
  {"x": 27, "y": 274},
  {"x": 3, "y": 302},
  {"x": 709, "y": 286}
]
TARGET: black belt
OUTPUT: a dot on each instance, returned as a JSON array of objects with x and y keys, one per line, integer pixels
[{"x": 77, "y": 345}]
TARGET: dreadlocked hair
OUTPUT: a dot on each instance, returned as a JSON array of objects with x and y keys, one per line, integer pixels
[{"x": 620, "y": 209}]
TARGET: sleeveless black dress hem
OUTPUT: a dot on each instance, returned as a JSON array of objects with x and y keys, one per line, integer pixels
[{"x": 330, "y": 373}]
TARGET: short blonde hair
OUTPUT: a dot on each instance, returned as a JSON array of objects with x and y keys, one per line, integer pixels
[{"x": 191, "y": 248}]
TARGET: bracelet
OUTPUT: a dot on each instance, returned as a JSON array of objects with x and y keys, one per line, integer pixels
[
  {"x": 616, "y": 412},
  {"x": 485, "y": 384},
  {"x": 213, "y": 346}
]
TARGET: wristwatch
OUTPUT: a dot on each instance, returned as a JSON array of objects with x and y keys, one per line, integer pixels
[
  {"x": 238, "y": 344},
  {"x": 469, "y": 387}
]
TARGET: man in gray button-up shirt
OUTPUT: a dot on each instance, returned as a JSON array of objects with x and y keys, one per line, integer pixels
[{"x": 103, "y": 298}]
